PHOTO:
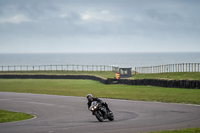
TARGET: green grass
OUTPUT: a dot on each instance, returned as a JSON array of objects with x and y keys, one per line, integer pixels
[
  {"x": 82, "y": 87},
  {"x": 9, "y": 116},
  {"x": 104, "y": 74},
  {"x": 176, "y": 76},
  {"x": 188, "y": 130},
  {"x": 110, "y": 74}
]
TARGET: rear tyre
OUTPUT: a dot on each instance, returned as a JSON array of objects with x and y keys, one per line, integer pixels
[{"x": 111, "y": 116}]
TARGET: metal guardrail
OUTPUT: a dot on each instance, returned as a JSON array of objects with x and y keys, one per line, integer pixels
[
  {"x": 58, "y": 68},
  {"x": 181, "y": 67}
]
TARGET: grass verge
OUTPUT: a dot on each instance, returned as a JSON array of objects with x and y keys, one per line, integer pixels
[
  {"x": 188, "y": 130},
  {"x": 105, "y": 74},
  {"x": 83, "y": 87},
  {"x": 110, "y": 74},
  {"x": 175, "y": 76},
  {"x": 9, "y": 116}
]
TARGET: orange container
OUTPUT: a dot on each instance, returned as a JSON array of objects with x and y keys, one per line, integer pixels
[{"x": 117, "y": 75}]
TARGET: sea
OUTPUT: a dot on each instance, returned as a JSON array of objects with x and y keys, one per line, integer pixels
[{"x": 111, "y": 59}]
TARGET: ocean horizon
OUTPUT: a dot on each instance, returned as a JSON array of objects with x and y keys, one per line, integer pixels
[{"x": 110, "y": 59}]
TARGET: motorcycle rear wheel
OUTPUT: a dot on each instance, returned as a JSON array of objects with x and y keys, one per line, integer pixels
[{"x": 111, "y": 117}]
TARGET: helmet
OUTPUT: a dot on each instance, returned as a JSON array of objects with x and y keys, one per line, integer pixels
[{"x": 89, "y": 96}]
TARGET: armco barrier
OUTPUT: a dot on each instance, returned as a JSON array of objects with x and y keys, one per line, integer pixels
[{"x": 190, "y": 84}]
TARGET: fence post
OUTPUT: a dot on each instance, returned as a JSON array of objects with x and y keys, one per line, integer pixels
[
  {"x": 178, "y": 67},
  {"x": 135, "y": 70},
  {"x": 158, "y": 69},
  {"x": 164, "y": 68},
  {"x": 189, "y": 67},
  {"x": 154, "y": 69},
  {"x": 192, "y": 67},
  {"x": 182, "y": 67},
  {"x": 186, "y": 67},
  {"x": 168, "y": 68}
]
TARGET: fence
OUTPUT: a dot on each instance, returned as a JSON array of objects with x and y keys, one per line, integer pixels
[
  {"x": 59, "y": 68},
  {"x": 181, "y": 67}
]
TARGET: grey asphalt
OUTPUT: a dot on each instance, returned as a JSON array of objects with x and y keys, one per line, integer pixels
[{"x": 65, "y": 114}]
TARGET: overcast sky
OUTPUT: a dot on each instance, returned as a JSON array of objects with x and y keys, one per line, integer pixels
[{"x": 63, "y": 26}]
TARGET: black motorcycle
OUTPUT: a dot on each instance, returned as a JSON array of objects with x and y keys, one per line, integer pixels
[{"x": 96, "y": 109}]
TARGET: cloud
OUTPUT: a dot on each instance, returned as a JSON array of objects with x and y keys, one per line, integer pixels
[
  {"x": 16, "y": 19},
  {"x": 103, "y": 15},
  {"x": 92, "y": 25},
  {"x": 88, "y": 16},
  {"x": 165, "y": 16}
]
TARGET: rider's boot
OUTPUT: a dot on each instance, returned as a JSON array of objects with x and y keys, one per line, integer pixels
[{"x": 105, "y": 116}]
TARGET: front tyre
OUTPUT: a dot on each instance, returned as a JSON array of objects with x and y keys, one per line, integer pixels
[{"x": 99, "y": 115}]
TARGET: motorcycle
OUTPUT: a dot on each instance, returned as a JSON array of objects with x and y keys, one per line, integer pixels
[{"x": 96, "y": 109}]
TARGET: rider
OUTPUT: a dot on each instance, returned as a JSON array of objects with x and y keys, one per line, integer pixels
[{"x": 91, "y": 99}]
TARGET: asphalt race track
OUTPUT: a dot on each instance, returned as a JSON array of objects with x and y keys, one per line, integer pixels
[{"x": 65, "y": 114}]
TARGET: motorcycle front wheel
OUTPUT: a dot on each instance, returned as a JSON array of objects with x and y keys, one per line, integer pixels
[{"x": 99, "y": 115}]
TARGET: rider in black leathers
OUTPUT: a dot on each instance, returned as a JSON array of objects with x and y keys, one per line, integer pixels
[{"x": 91, "y": 99}]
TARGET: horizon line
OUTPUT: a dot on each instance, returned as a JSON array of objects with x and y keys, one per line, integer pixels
[{"x": 96, "y": 52}]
